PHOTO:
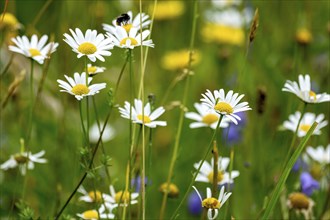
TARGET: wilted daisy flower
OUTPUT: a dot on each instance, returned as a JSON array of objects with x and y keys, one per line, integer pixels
[
  {"x": 23, "y": 160},
  {"x": 122, "y": 198},
  {"x": 92, "y": 196},
  {"x": 148, "y": 119},
  {"x": 303, "y": 90},
  {"x": 35, "y": 49},
  {"x": 92, "y": 45},
  {"x": 167, "y": 10},
  {"x": 319, "y": 154},
  {"x": 95, "y": 132},
  {"x": 93, "y": 70},
  {"x": 212, "y": 204},
  {"x": 306, "y": 123},
  {"x": 301, "y": 204},
  {"x": 206, "y": 172},
  {"x": 8, "y": 21},
  {"x": 77, "y": 86},
  {"x": 205, "y": 117},
  {"x": 122, "y": 38},
  {"x": 226, "y": 105},
  {"x": 173, "y": 190},
  {"x": 127, "y": 22},
  {"x": 178, "y": 60}
]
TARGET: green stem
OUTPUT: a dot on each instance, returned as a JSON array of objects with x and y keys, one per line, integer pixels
[
  {"x": 82, "y": 121},
  {"x": 180, "y": 124},
  {"x": 28, "y": 135},
  {"x": 199, "y": 168},
  {"x": 279, "y": 186},
  {"x": 215, "y": 169},
  {"x": 294, "y": 136}
]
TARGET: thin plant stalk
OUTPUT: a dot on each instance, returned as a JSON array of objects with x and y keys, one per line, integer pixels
[
  {"x": 82, "y": 121},
  {"x": 95, "y": 149},
  {"x": 180, "y": 124},
  {"x": 294, "y": 136},
  {"x": 215, "y": 169},
  {"x": 28, "y": 134},
  {"x": 279, "y": 186},
  {"x": 199, "y": 168}
]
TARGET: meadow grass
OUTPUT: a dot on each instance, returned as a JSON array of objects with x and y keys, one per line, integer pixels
[{"x": 289, "y": 38}]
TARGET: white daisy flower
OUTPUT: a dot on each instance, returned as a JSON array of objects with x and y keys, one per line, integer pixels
[
  {"x": 95, "y": 132},
  {"x": 35, "y": 49},
  {"x": 319, "y": 154},
  {"x": 226, "y": 3},
  {"x": 93, "y": 196},
  {"x": 77, "y": 86},
  {"x": 303, "y": 90},
  {"x": 93, "y": 70},
  {"x": 206, "y": 172},
  {"x": 211, "y": 203},
  {"x": 94, "y": 214},
  {"x": 226, "y": 105},
  {"x": 122, "y": 198},
  {"x": 92, "y": 45},
  {"x": 131, "y": 39},
  {"x": 230, "y": 17},
  {"x": 23, "y": 161},
  {"x": 148, "y": 119},
  {"x": 127, "y": 22},
  {"x": 306, "y": 123},
  {"x": 205, "y": 118}
]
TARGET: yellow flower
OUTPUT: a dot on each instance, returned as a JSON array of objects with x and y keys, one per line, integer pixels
[
  {"x": 9, "y": 22},
  {"x": 175, "y": 60},
  {"x": 303, "y": 36},
  {"x": 223, "y": 34},
  {"x": 167, "y": 9}
]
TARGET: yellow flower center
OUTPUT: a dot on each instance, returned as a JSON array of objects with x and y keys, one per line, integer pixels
[
  {"x": 21, "y": 159},
  {"x": 305, "y": 127},
  {"x": 80, "y": 89},
  {"x": 312, "y": 95},
  {"x": 133, "y": 41},
  {"x": 127, "y": 27},
  {"x": 224, "y": 107},
  {"x": 145, "y": 119},
  {"x": 299, "y": 200},
  {"x": 34, "y": 52},
  {"x": 87, "y": 48},
  {"x": 173, "y": 190},
  {"x": 211, "y": 203},
  {"x": 90, "y": 214},
  {"x": 210, "y": 118},
  {"x": 219, "y": 177},
  {"x": 96, "y": 196},
  {"x": 92, "y": 69},
  {"x": 121, "y": 197}
]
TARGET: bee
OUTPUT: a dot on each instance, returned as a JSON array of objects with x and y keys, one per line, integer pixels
[{"x": 122, "y": 19}]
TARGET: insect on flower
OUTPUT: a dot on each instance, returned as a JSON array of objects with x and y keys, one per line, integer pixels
[{"x": 122, "y": 19}]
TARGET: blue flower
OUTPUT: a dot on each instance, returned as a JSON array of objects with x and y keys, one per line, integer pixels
[
  {"x": 194, "y": 204},
  {"x": 300, "y": 164},
  {"x": 308, "y": 184}
]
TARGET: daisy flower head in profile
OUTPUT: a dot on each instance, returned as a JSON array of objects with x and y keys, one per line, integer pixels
[
  {"x": 78, "y": 87},
  {"x": 301, "y": 203},
  {"x": 306, "y": 123},
  {"x": 142, "y": 116},
  {"x": 206, "y": 172},
  {"x": 23, "y": 160},
  {"x": 123, "y": 39},
  {"x": 104, "y": 212},
  {"x": 92, "y": 44},
  {"x": 212, "y": 204},
  {"x": 127, "y": 21},
  {"x": 319, "y": 154},
  {"x": 93, "y": 70},
  {"x": 303, "y": 90},
  {"x": 92, "y": 196},
  {"x": 34, "y": 48},
  {"x": 226, "y": 105},
  {"x": 123, "y": 197},
  {"x": 205, "y": 117}
]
